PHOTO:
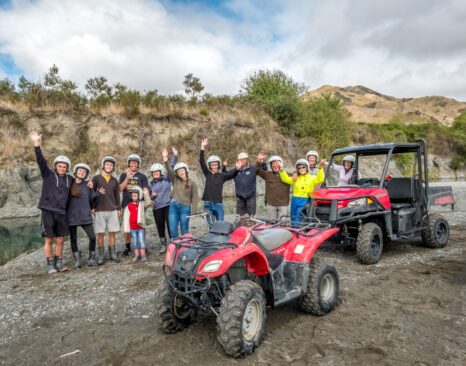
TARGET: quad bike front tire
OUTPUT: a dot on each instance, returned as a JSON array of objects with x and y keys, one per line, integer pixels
[
  {"x": 173, "y": 313},
  {"x": 241, "y": 319},
  {"x": 369, "y": 245},
  {"x": 322, "y": 288},
  {"x": 436, "y": 233}
]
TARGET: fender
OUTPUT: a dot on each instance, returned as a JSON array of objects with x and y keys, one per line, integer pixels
[
  {"x": 302, "y": 248},
  {"x": 255, "y": 260}
]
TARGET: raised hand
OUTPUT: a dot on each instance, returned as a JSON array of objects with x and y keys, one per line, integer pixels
[
  {"x": 165, "y": 154},
  {"x": 225, "y": 163},
  {"x": 35, "y": 138},
  {"x": 238, "y": 165},
  {"x": 322, "y": 163},
  {"x": 174, "y": 151},
  {"x": 204, "y": 143},
  {"x": 261, "y": 156}
]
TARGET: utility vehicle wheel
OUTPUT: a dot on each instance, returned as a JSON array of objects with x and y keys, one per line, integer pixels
[
  {"x": 437, "y": 232},
  {"x": 322, "y": 289},
  {"x": 173, "y": 312},
  {"x": 370, "y": 243},
  {"x": 241, "y": 318}
]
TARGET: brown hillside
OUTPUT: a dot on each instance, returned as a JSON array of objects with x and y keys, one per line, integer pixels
[{"x": 367, "y": 105}]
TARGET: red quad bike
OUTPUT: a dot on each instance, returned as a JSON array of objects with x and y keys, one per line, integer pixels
[
  {"x": 236, "y": 271},
  {"x": 378, "y": 206}
]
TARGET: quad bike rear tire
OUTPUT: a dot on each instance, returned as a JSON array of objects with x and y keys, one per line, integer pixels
[
  {"x": 436, "y": 233},
  {"x": 173, "y": 313},
  {"x": 241, "y": 319},
  {"x": 322, "y": 288},
  {"x": 369, "y": 245}
]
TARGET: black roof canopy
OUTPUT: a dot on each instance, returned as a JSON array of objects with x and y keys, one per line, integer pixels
[{"x": 376, "y": 149}]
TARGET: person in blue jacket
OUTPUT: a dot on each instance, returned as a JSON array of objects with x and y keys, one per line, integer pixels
[
  {"x": 245, "y": 185},
  {"x": 53, "y": 201}
]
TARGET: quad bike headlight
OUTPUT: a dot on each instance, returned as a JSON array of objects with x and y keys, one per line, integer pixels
[
  {"x": 358, "y": 203},
  {"x": 212, "y": 266}
]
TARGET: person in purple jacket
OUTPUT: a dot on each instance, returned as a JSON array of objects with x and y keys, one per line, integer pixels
[
  {"x": 160, "y": 190},
  {"x": 56, "y": 185}
]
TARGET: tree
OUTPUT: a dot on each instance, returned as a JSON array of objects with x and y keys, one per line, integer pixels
[
  {"x": 192, "y": 86},
  {"x": 326, "y": 120},
  {"x": 278, "y": 93},
  {"x": 98, "y": 87}
]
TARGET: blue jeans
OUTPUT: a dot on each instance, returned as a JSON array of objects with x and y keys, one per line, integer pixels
[
  {"x": 216, "y": 209},
  {"x": 137, "y": 237},
  {"x": 297, "y": 204},
  {"x": 178, "y": 216}
]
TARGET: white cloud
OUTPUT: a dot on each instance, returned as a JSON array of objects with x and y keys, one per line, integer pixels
[{"x": 399, "y": 48}]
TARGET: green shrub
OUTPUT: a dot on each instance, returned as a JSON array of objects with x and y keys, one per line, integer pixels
[
  {"x": 326, "y": 120},
  {"x": 130, "y": 100},
  {"x": 204, "y": 111}
]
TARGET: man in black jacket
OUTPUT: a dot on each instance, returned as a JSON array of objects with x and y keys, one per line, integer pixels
[
  {"x": 214, "y": 180},
  {"x": 56, "y": 186}
]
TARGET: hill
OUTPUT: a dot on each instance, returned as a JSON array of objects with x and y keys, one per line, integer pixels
[{"x": 367, "y": 105}]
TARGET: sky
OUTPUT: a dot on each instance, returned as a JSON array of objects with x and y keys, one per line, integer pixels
[{"x": 404, "y": 48}]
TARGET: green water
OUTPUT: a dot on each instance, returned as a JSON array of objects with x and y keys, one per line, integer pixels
[
  {"x": 22, "y": 234},
  {"x": 18, "y": 236}
]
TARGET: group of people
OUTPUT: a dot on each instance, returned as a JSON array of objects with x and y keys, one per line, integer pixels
[{"x": 68, "y": 201}]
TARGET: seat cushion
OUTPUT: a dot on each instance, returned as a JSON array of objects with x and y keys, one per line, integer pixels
[{"x": 272, "y": 239}]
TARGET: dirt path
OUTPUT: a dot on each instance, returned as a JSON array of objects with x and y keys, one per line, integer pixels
[{"x": 408, "y": 309}]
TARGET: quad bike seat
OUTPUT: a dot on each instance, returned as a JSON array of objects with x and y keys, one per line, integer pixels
[{"x": 272, "y": 239}]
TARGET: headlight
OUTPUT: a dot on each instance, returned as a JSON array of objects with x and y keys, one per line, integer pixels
[
  {"x": 212, "y": 266},
  {"x": 358, "y": 203}
]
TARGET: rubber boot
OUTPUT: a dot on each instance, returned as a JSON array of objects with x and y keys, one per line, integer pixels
[
  {"x": 113, "y": 256},
  {"x": 136, "y": 255},
  {"x": 77, "y": 259},
  {"x": 127, "y": 250},
  {"x": 163, "y": 245},
  {"x": 51, "y": 265},
  {"x": 142, "y": 253},
  {"x": 59, "y": 264},
  {"x": 91, "y": 262},
  {"x": 101, "y": 257}
]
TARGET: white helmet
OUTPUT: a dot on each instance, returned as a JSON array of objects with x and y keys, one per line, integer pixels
[
  {"x": 300, "y": 162},
  {"x": 133, "y": 157},
  {"x": 181, "y": 166},
  {"x": 110, "y": 159},
  {"x": 83, "y": 166},
  {"x": 62, "y": 159},
  {"x": 243, "y": 155},
  {"x": 349, "y": 158},
  {"x": 138, "y": 190},
  {"x": 275, "y": 158},
  {"x": 158, "y": 167},
  {"x": 312, "y": 153},
  {"x": 212, "y": 159}
]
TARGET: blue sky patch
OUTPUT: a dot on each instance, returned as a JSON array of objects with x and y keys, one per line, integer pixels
[{"x": 8, "y": 66}]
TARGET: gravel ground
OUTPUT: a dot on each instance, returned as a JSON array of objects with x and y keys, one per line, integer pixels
[{"x": 407, "y": 309}]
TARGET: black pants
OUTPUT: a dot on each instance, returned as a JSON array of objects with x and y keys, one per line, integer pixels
[
  {"x": 89, "y": 230},
  {"x": 161, "y": 220},
  {"x": 246, "y": 206}
]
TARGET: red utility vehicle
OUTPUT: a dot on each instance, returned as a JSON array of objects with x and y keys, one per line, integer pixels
[
  {"x": 378, "y": 205},
  {"x": 236, "y": 271}
]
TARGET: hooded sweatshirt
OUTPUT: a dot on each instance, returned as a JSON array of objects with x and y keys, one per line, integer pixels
[
  {"x": 55, "y": 188},
  {"x": 79, "y": 207}
]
